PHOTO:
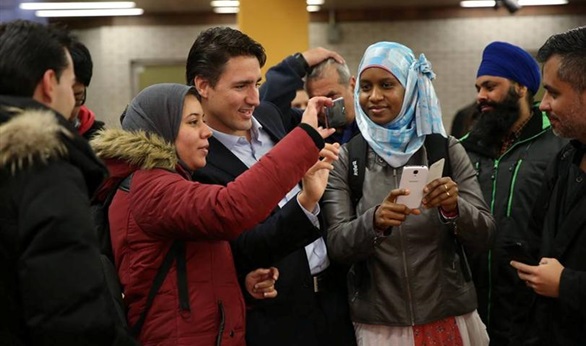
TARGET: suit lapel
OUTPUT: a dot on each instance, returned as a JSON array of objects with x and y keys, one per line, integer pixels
[
  {"x": 223, "y": 159},
  {"x": 270, "y": 121}
]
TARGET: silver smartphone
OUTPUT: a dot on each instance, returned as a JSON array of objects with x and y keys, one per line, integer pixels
[
  {"x": 336, "y": 114},
  {"x": 413, "y": 178}
]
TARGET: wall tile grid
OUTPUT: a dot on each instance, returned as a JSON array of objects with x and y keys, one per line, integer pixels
[{"x": 454, "y": 47}]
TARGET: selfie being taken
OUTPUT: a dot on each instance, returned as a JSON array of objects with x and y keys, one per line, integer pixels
[{"x": 292, "y": 173}]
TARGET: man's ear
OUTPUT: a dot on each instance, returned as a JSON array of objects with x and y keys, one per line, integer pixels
[
  {"x": 352, "y": 83},
  {"x": 521, "y": 90},
  {"x": 202, "y": 86},
  {"x": 44, "y": 92}
]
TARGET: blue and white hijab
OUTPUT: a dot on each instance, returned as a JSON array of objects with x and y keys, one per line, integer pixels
[{"x": 420, "y": 113}]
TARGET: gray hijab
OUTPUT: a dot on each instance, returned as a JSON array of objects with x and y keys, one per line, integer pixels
[{"x": 157, "y": 109}]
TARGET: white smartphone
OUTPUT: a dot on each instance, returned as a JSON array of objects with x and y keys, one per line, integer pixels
[{"x": 413, "y": 178}]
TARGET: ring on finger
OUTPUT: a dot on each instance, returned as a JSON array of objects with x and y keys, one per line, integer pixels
[
  {"x": 447, "y": 193},
  {"x": 446, "y": 187}
]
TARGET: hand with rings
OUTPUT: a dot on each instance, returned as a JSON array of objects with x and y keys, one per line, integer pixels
[{"x": 442, "y": 192}]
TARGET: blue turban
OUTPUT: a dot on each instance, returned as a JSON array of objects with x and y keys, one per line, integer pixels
[{"x": 505, "y": 60}]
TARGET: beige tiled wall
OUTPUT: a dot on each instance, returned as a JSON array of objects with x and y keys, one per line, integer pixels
[
  {"x": 114, "y": 48},
  {"x": 453, "y": 46}
]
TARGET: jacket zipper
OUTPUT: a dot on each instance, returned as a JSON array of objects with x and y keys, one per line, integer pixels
[
  {"x": 401, "y": 236},
  {"x": 222, "y": 323}
]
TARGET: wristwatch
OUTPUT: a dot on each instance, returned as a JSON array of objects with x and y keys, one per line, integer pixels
[{"x": 302, "y": 62}]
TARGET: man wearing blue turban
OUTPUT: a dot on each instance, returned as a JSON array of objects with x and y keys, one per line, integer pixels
[{"x": 510, "y": 147}]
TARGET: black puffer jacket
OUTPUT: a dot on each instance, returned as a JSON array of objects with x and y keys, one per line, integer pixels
[{"x": 52, "y": 289}]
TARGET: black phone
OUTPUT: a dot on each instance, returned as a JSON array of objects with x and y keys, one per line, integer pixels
[
  {"x": 519, "y": 251},
  {"x": 336, "y": 114}
]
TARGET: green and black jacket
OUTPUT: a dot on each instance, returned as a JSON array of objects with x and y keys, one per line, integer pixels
[{"x": 510, "y": 184}]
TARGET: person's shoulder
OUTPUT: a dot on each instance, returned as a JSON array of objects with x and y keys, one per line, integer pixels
[
  {"x": 268, "y": 114},
  {"x": 266, "y": 110},
  {"x": 96, "y": 127},
  {"x": 32, "y": 137}
]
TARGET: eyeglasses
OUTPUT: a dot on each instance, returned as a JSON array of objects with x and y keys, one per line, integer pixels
[{"x": 80, "y": 98}]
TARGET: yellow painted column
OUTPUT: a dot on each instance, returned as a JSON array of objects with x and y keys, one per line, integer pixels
[{"x": 281, "y": 26}]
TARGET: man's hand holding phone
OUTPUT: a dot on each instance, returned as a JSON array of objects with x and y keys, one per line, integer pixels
[
  {"x": 314, "y": 107},
  {"x": 335, "y": 115},
  {"x": 543, "y": 278}
]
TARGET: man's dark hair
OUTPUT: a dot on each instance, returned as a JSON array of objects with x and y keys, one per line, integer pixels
[
  {"x": 82, "y": 62},
  {"x": 570, "y": 46},
  {"x": 27, "y": 51},
  {"x": 214, "y": 47}
]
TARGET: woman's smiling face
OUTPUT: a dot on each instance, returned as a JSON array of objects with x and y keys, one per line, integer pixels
[
  {"x": 192, "y": 140},
  {"x": 381, "y": 95}
]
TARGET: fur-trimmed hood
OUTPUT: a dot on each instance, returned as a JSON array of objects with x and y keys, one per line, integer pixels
[
  {"x": 137, "y": 148},
  {"x": 30, "y": 136}
]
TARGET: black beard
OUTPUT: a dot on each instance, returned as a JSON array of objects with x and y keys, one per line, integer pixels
[{"x": 493, "y": 126}]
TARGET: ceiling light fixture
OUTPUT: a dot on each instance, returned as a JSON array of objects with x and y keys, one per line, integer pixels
[
  {"x": 90, "y": 13},
  {"x": 36, "y": 6},
  {"x": 542, "y": 2},
  {"x": 231, "y": 6},
  {"x": 225, "y": 3},
  {"x": 477, "y": 3},
  {"x": 223, "y": 10},
  {"x": 491, "y": 3}
]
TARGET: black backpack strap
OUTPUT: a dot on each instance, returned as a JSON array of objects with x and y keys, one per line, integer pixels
[
  {"x": 100, "y": 215},
  {"x": 176, "y": 251},
  {"x": 437, "y": 147},
  {"x": 182, "y": 277},
  {"x": 357, "y": 154}
]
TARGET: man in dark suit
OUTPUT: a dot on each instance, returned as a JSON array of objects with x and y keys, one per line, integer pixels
[{"x": 311, "y": 307}]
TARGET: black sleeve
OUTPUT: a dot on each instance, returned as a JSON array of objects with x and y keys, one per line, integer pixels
[
  {"x": 317, "y": 138},
  {"x": 65, "y": 301},
  {"x": 282, "y": 82},
  {"x": 285, "y": 231}
]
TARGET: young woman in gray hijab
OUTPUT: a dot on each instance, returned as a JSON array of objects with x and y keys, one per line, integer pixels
[{"x": 164, "y": 139}]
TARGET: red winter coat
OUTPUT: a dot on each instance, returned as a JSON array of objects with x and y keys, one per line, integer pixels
[{"x": 164, "y": 205}]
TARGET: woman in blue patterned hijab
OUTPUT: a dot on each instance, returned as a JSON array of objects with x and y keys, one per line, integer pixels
[
  {"x": 396, "y": 105},
  {"x": 409, "y": 281}
]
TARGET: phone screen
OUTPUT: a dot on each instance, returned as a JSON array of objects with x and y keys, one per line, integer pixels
[{"x": 519, "y": 252}]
